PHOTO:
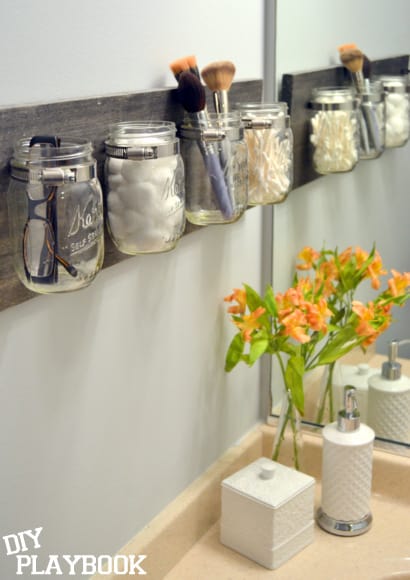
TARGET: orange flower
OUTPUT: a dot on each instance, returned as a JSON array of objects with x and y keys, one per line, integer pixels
[
  {"x": 345, "y": 256},
  {"x": 326, "y": 275},
  {"x": 316, "y": 315},
  {"x": 361, "y": 256},
  {"x": 365, "y": 315},
  {"x": 294, "y": 326},
  {"x": 249, "y": 323},
  {"x": 308, "y": 255},
  {"x": 399, "y": 283},
  {"x": 375, "y": 269},
  {"x": 240, "y": 296}
]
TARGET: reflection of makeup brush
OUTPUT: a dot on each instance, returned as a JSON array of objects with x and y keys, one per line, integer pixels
[
  {"x": 218, "y": 77},
  {"x": 352, "y": 59},
  {"x": 191, "y": 95}
]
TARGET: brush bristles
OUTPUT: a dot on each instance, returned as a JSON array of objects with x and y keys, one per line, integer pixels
[
  {"x": 352, "y": 60},
  {"x": 218, "y": 76},
  {"x": 191, "y": 93},
  {"x": 192, "y": 65},
  {"x": 178, "y": 66}
]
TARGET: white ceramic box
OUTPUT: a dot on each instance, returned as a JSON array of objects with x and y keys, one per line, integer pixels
[{"x": 267, "y": 512}]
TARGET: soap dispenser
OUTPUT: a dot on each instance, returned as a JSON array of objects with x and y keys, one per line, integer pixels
[
  {"x": 346, "y": 472},
  {"x": 389, "y": 399}
]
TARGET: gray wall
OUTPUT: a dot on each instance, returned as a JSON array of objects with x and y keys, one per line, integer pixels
[{"x": 113, "y": 399}]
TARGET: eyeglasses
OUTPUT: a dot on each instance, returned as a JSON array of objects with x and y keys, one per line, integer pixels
[{"x": 40, "y": 252}]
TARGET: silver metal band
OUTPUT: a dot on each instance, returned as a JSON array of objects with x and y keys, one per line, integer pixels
[
  {"x": 346, "y": 106},
  {"x": 139, "y": 152},
  {"x": 211, "y": 134},
  {"x": 341, "y": 528},
  {"x": 266, "y": 122},
  {"x": 54, "y": 175}
]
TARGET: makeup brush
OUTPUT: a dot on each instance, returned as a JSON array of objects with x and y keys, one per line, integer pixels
[
  {"x": 193, "y": 67},
  {"x": 178, "y": 66},
  {"x": 218, "y": 77},
  {"x": 191, "y": 95}
]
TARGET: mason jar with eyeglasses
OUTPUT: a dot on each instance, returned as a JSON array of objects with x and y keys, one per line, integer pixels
[{"x": 55, "y": 212}]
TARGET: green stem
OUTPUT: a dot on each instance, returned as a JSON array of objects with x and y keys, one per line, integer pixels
[
  {"x": 290, "y": 416},
  {"x": 328, "y": 394}
]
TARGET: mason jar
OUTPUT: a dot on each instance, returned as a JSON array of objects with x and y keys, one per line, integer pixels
[
  {"x": 334, "y": 129},
  {"x": 269, "y": 139},
  {"x": 144, "y": 187},
  {"x": 396, "y": 89},
  {"x": 372, "y": 120},
  {"x": 55, "y": 213},
  {"x": 216, "y": 171}
]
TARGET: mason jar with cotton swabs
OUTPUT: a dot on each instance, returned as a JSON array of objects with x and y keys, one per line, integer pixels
[
  {"x": 334, "y": 129},
  {"x": 144, "y": 183},
  {"x": 270, "y": 151}
]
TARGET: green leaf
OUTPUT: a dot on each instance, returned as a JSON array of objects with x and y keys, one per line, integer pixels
[
  {"x": 339, "y": 345},
  {"x": 253, "y": 300},
  {"x": 234, "y": 353},
  {"x": 258, "y": 348},
  {"x": 294, "y": 373},
  {"x": 270, "y": 302}
]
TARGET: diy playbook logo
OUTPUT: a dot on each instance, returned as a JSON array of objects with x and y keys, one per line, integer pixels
[{"x": 19, "y": 544}]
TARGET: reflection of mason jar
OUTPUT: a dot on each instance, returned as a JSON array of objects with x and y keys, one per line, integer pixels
[
  {"x": 216, "y": 172},
  {"x": 144, "y": 177},
  {"x": 372, "y": 120},
  {"x": 334, "y": 129},
  {"x": 270, "y": 151},
  {"x": 396, "y": 89},
  {"x": 55, "y": 214}
]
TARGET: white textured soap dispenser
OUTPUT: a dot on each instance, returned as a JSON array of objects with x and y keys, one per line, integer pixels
[
  {"x": 346, "y": 472},
  {"x": 389, "y": 399}
]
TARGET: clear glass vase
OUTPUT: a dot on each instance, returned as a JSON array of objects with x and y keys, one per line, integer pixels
[{"x": 288, "y": 436}]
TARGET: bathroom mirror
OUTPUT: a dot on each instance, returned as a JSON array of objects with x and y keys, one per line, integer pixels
[{"x": 368, "y": 205}]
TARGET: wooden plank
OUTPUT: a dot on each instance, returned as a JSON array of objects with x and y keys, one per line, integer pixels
[
  {"x": 296, "y": 92},
  {"x": 84, "y": 118}
]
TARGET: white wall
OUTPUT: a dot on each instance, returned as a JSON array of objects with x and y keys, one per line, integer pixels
[
  {"x": 113, "y": 399},
  {"x": 372, "y": 203}
]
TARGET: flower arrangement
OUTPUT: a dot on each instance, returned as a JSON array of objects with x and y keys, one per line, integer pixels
[{"x": 315, "y": 322}]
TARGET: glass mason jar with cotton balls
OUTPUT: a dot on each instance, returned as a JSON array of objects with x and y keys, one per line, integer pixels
[
  {"x": 334, "y": 129},
  {"x": 396, "y": 90},
  {"x": 144, "y": 186}
]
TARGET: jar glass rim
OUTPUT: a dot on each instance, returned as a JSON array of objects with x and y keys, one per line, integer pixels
[
  {"x": 143, "y": 129},
  {"x": 68, "y": 148}
]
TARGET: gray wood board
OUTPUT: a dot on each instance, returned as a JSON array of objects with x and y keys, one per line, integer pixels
[
  {"x": 296, "y": 92},
  {"x": 85, "y": 118}
]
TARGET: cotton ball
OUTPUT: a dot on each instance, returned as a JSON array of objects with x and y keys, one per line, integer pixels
[
  {"x": 116, "y": 224},
  {"x": 114, "y": 180},
  {"x": 114, "y": 203},
  {"x": 114, "y": 165},
  {"x": 134, "y": 170}
]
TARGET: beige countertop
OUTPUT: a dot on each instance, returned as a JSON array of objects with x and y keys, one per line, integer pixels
[
  {"x": 384, "y": 549},
  {"x": 182, "y": 543}
]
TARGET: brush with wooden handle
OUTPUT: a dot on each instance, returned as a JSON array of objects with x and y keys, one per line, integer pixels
[
  {"x": 218, "y": 77},
  {"x": 191, "y": 95}
]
